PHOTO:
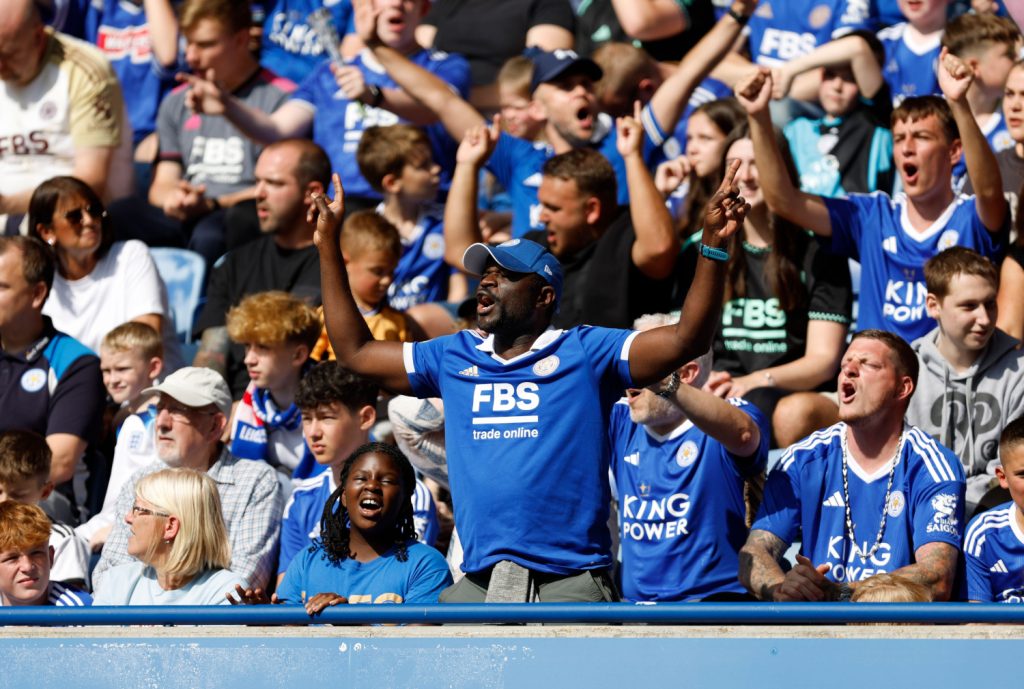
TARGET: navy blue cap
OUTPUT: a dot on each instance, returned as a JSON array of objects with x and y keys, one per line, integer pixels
[
  {"x": 549, "y": 66},
  {"x": 519, "y": 256}
]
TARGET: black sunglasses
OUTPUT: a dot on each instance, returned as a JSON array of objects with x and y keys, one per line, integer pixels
[{"x": 76, "y": 215}]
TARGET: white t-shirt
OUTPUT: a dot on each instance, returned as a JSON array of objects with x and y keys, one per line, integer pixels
[
  {"x": 124, "y": 285},
  {"x": 134, "y": 583}
]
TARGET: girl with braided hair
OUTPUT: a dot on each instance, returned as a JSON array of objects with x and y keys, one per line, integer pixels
[{"x": 367, "y": 550}]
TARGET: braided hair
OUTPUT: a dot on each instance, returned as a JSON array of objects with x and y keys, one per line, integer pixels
[{"x": 334, "y": 524}]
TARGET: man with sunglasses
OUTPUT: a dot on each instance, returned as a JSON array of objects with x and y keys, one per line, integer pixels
[
  {"x": 192, "y": 411},
  {"x": 680, "y": 459}
]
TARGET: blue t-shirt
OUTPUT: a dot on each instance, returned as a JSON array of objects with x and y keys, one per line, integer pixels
[
  {"x": 804, "y": 495},
  {"x": 121, "y": 31},
  {"x": 909, "y": 68},
  {"x": 420, "y": 579},
  {"x": 305, "y": 508},
  {"x": 681, "y": 510},
  {"x": 527, "y": 443},
  {"x": 874, "y": 229},
  {"x": 781, "y": 30},
  {"x": 338, "y": 123},
  {"x": 422, "y": 274},
  {"x": 994, "y": 555},
  {"x": 290, "y": 47},
  {"x": 517, "y": 164}
]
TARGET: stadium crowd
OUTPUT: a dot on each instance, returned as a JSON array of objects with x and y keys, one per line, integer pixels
[{"x": 511, "y": 301}]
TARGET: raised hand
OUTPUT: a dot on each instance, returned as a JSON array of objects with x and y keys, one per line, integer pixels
[
  {"x": 327, "y": 216},
  {"x": 719, "y": 383},
  {"x": 782, "y": 81},
  {"x": 670, "y": 174},
  {"x": 755, "y": 90},
  {"x": 726, "y": 210},
  {"x": 205, "y": 95},
  {"x": 365, "y": 17},
  {"x": 317, "y": 604},
  {"x": 350, "y": 80},
  {"x": 478, "y": 143},
  {"x": 630, "y": 133},
  {"x": 955, "y": 76},
  {"x": 255, "y": 596}
]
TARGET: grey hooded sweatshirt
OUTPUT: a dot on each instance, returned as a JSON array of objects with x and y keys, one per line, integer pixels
[{"x": 967, "y": 411}]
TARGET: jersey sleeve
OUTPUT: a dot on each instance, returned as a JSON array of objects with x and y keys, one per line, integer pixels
[
  {"x": 76, "y": 406},
  {"x": 309, "y": 88},
  {"x": 168, "y": 126},
  {"x": 97, "y": 105},
  {"x": 939, "y": 513},
  {"x": 780, "y": 510},
  {"x": 429, "y": 578},
  {"x": 507, "y": 152},
  {"x": 423, "y": 366},
  {"x": 831, "y": 294},
  {"x": 454, "y": 70},
  {"x": 852, "y": 15},
  {"x": 608, "y": 352},
  {"x": 745, "y": 467},
  {"x": 979, "y": 587},
  {"x": 847, "y": 218}
]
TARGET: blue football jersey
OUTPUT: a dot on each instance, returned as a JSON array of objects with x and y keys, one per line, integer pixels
[
  {"x": 422, "y": 274},
  {"x": 910, "y": 66},
  {"x": 804, "y": 495},
  {"x": 681, "y": 510},
  {"x": 994, "y": 555},
  {"x": 290, "y": 47},
  {"x": 527, "y": 443},
  {"x": 874, "y": 230},
  {"x": 999, "y": 139},
  {"x": 781, "y": 30},
  {"x": 517, "y": 163},
  {"x": 300, "y": 523},
  {"x": 120, "y": 30},
  {"x": 338, "y": 123}
]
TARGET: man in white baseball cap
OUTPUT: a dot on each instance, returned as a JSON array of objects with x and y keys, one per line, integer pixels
[{"x": 193, "y": 408}]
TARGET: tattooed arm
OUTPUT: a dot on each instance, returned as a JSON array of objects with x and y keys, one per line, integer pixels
[
  {"x": 213, "y": 350},
  {"x": 759, "y": 564},
  {"x": 935, "y": 568}
]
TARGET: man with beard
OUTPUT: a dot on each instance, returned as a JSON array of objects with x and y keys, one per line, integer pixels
[
  {"x": 192, "y": 412},
  {"x": 680, "y": 457},
  {"x": 527, "y": 405},
  {"x": 283, "y": 258},
  {"x": 869, "y": 469}
]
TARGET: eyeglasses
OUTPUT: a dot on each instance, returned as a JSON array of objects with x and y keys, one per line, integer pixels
[
  {"x": 76, "y": 215},
  {"x": 180, "y": 413},
  {"x": 137, "y": 511}
]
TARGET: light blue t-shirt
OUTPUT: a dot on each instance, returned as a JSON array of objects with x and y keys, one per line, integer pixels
[
  {"x": 420, "y": 579},
  {"x": 135, "y": 583}
]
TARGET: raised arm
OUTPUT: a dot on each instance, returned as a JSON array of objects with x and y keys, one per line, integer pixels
[
  {"x": 849, "y": 50},
  {"x": 455, "y": 114},
  {"x": 669, "y": 101},
  {"x": 657, "y": 352},
  {"x": 721, "y": 420},
  {"x": 163, "y": 31},
  {"x": 656, "y": 247},
  {"x": 461, "y": 226},
  {"x": 353, "y": 344},
  {"x": 649, "y": 20},
  {"x": 954, "y": 79},
  {"x": 781, "y": 195},
  {"x": 206, "y": 96}
]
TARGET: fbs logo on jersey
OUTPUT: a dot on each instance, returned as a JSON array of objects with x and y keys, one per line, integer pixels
[{"x": 944, "y": 518}]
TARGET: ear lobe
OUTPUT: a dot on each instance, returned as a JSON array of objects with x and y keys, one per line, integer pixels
[
  {"x": 931, "y": 303},
  {"x": 367, "y": 417},
  {"x": 391, "y": 183},
  {"x": 39, "y": 294},
  {"x": 689, "y": 372},
  {"x": 592, "y": 209},
  {"x": 156, "y": 365},
  {"x": 956, "y": 151}
]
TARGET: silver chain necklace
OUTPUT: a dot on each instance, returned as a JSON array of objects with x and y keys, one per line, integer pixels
[{"x": 864, "y": 557}]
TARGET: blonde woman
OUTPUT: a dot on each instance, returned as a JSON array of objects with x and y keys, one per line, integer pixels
[{"x": 178, "y": 536}]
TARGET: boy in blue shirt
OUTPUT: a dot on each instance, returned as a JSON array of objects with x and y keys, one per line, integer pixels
[
  {"x": 912, "y": 49},
  {"x": 994, "y": 544},
  {"x": 516, "y": 398},
  {"x": 893, "y": 237}
]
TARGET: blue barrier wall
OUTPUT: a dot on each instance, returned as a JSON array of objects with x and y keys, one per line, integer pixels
[{"x": 802, "y": 647}]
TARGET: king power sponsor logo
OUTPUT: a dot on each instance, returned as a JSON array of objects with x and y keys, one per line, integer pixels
[{"x": 655, "y": 519}]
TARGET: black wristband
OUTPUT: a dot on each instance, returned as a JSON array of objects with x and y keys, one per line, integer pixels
[
  {"x": 376, "y": 95},
  {"x": 741, "y": 19}
]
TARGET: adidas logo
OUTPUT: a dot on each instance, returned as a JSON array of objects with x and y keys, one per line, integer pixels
[
  {"x": 633, "y": 459},
  {"x": 999, "y": 567},
  {"x": 835, "y": 500},
  {"x": 472, "y": 372}
]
